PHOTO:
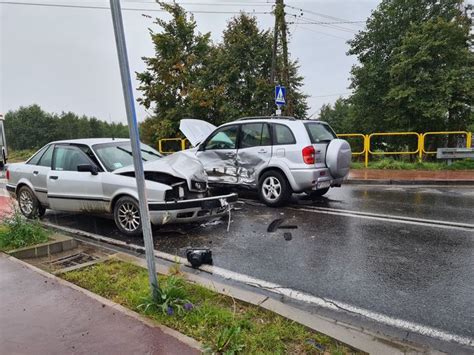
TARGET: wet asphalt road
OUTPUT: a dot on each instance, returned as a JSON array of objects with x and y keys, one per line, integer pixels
[{"x": 418, "y": 273}]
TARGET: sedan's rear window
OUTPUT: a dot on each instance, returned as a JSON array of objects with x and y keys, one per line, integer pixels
[{"x": 320, "y": 132}]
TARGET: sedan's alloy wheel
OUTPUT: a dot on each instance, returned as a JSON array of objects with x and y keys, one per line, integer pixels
[
  {"x": 129, "y": 217},
  {"x": 26, "y": 202}
]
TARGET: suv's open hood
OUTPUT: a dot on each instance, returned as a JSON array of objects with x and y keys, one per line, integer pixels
[
  {"x": 196, "y": 130},
  {"x": 178, "y": 165}
]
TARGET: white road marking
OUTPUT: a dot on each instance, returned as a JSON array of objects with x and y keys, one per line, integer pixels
[
  {"x": 379, "y": 217},
  {"x": 390, "y": 218},
  {"x": 290, "y": 293}
]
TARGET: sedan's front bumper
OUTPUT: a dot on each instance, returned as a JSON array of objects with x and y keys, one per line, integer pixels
[{"x": 190, "y": 210}]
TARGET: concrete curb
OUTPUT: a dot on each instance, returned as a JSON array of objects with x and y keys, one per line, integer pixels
[
  {"x": 356, "y": 337},
  {"x": 192, "y": 343},
  {"x": 410, "y": 182},
  {"x": 57, "y": 244}
]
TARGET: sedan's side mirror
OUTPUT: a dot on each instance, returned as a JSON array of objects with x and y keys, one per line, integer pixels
[{"x": 88, "y": 168}]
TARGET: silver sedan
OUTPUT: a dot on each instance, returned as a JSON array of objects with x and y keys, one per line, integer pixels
[{"x": 97, "y": 176}]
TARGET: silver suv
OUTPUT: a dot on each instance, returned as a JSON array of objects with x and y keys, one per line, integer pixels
[{"x": 275, "y": 155}]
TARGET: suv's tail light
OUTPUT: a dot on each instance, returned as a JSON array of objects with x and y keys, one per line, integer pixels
[
  {"x": 309, "y": 154},
  {"x": 7, "y": 174}
]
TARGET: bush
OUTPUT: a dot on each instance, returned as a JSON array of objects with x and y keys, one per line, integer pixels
[
  {"x": 171, "y": 297},
  {"x": 17, "y": 232}
]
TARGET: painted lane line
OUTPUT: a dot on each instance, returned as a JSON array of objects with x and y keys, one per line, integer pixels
[
  {"x": 287, "y": 292},
  {"x": 378, "y": 217},
  {"x": 388, "y": 216},
  {"x": 390, "y": 220}
]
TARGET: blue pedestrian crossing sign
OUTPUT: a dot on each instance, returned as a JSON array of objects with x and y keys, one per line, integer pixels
[{"x": 280, "y": 95}]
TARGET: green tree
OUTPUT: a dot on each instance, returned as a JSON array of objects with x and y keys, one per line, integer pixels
[
  {"x": 432, "y": 80},
  {"x": 170, "y": 84},
  {"x": 191, "y": 77},
  {"x": 415, "y": 70},
  {"x": 339, "y": 116},
  {"x": 30, "y": 127}
]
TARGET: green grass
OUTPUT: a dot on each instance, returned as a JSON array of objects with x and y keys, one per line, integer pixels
[
  {"x": 17, "y": 232},
  {"x": 15, "y": 156},
  {"x": 222, "y": 324},
  {"x": 393, "y": 164}
]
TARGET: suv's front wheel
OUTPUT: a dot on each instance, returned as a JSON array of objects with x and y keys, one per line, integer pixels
[{"x": 273, "y": 189}]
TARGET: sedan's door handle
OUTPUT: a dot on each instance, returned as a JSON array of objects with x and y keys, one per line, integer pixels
[
  {"x": 230, "y": 155},
  {"x": 35, "y": 173},
  {"x": 262, "y": 151},
  {"x": 54, "y": 177}
]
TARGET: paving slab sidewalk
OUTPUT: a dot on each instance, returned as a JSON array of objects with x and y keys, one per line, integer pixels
[
  {"x": 41, "y": 314},
  {"x": 411, "y": 177}
]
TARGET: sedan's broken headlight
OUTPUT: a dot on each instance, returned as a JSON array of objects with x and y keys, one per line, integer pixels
[{"x": 199, "y": 186}]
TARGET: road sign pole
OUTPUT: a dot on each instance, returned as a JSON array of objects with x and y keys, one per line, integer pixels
[
  {"x": 135, "y": 142},
  {"x": 278, "y": 110}
]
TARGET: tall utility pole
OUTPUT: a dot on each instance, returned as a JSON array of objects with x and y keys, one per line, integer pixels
[
  {"x": 135, "y": 143},
  {"x": 275, "y": 43},
  {"x": 281, "y": 28}
]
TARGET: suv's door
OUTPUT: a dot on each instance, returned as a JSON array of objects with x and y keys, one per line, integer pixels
[
  {"x": 71, "y": 190},
  {"x": 254, "y": 152},
  {"x": 218, "y": 155}
]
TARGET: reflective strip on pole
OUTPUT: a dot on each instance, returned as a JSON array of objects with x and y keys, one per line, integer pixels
[{"x": 135, "y": 142}]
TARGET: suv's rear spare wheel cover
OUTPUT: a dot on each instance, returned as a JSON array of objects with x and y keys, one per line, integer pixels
[{"x": 338, "y": 158}]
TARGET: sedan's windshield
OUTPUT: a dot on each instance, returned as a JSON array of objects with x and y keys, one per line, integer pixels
[{"x": 117, "y": 155}]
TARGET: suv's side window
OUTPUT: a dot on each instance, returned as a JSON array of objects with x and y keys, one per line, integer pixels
[
  {"x": 254, "y": 135},
  {"x": 67, "y": 158},
  {"x": 282, "y": 135},
  {"x": 224, "y": 138},
  {"x": 47, "y": 157}
]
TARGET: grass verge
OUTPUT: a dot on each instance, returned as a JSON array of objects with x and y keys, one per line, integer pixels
[
  {"x": 222, "y": 324},
  {"x": 17, "y": 232},
  {"x": 392, "y": 164}
]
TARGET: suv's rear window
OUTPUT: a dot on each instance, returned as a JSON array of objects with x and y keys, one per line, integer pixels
[{"x": 319, "y": 132}]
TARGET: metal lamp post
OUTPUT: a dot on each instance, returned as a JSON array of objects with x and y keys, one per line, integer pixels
[{"x": 135, "y": 142}]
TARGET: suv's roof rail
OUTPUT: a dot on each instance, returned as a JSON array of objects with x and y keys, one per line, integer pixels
[{"x": 267, "y": 117}]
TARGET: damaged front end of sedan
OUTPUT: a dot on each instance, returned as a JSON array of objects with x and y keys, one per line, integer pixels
[{"x": 185, "y": 196}]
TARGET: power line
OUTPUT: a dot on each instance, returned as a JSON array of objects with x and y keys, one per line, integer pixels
[
  {"x": 323, "y": 33},
  {"x": 328, "y": 23},
  {"x": 127, "y": 9},
  {"x": 313, "y": 21},
  {"x": 204, "y": 3},
  {"x": 329, "y": 95},
  {"x": 334, "y": 18}
]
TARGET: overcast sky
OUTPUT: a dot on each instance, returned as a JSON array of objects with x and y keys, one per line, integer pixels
[{"x": 64, "y": 59}]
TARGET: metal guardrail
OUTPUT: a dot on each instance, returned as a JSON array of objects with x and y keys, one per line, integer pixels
[
  {"x": 464, "y": 133},
  {"x": 366, "y": 143},
  {"x": 162, "y": 142}
]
